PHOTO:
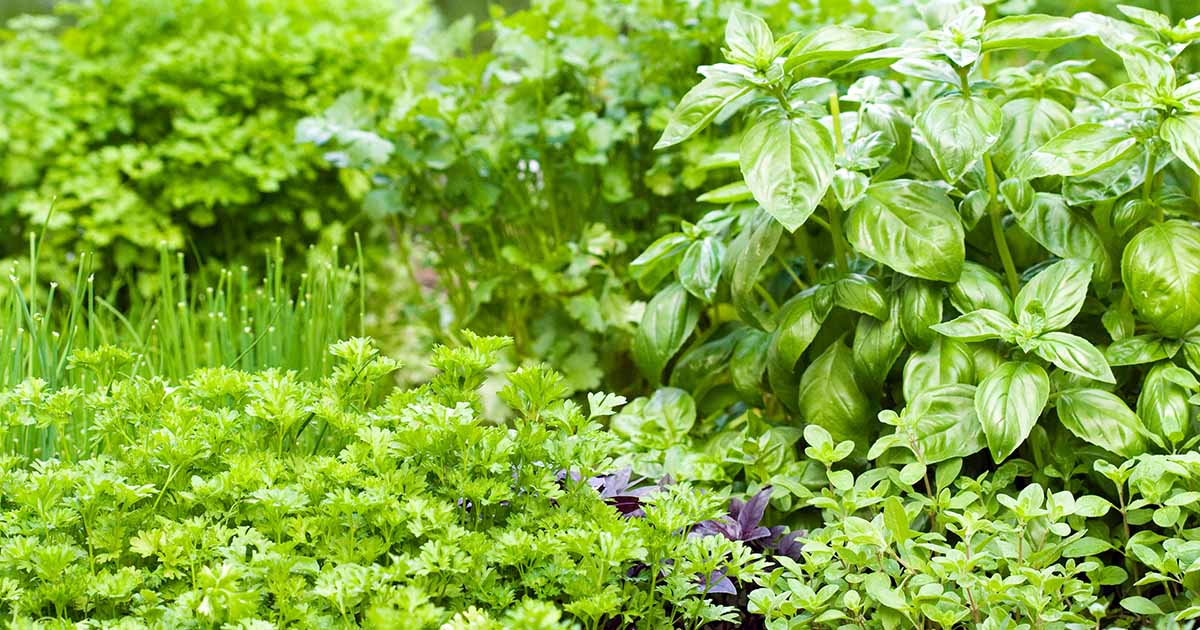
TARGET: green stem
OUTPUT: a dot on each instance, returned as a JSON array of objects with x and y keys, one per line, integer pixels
[
  {"x": 995, "y": 218},
  {"x": 835, "y": 211},
  {"x": 1148, "y": 182}
]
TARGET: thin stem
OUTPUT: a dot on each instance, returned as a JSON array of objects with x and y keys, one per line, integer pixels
[
  {"x": 835, "y": 212},
  {"x": 994, "y": 217},
  {"x": 1148, "y": 182}
]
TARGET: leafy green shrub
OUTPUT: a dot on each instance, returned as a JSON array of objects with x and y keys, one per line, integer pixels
[
  {"x": 143, "y": 122},
  {"x": 262, "y": 500}
]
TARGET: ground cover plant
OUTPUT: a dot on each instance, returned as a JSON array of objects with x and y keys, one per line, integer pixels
[{"x": 897, "y": 302}]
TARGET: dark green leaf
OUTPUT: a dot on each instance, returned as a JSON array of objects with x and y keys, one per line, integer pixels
[
  {"x": 1161, "y": 270},
  {"x": 745, "y": 258},
  {"x": 830, "y": 396},
  {"x": 799, "y": 321},
  {"x": 920, "y": 310},
  {"x": 700, "y": 269},
  {"x": 1163, "y": 403},
  {"x": 668, "y": 321}
]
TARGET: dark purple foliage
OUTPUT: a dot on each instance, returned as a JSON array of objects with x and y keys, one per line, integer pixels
[{"x": 744, "y": 524}]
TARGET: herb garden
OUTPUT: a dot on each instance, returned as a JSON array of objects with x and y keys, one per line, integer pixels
[{"x": 600, "y": 315}]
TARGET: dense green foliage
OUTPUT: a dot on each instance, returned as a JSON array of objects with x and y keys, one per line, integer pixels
[
  {"x": 903, "y": 299},
  {"x": 145, "y": 122}
]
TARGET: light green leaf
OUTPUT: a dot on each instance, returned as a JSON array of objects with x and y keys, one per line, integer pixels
[
  {"x": 1163, "y": 404},
  {"x": 947, "y": 425},
  {"x": 946, "y": 362},
  {"x": 1073, "y": 354},
  {"x": 701, "y": 105},
  {"x": 959, "y": 131},
  {"x": 788, "y": 165},
  {"x": 1161, "y": 270},
  {"x": 1008, "y": 403},
  {"x": 1029, "y": 32},
  {"x": 729, "y": 193},
  {"x": 667, "y": 322},
  {"x": 1141, "y": 349},
  {"x": 1099, "y": 417},
  {"x": 744, "y": 260},
  {"x": 658, "y": 261},
  {"x": 748, "y": 39},
  {"x": 1028, "y": 124},
  {"x": 1055, "y": 295},
  {"x": 920, "y": 309},
  {"x": 1064, "y": 232},
  {"x": 1182, "y": 134},
  {"x": 1078, "y": 151},
  {"x": 978, "y": 326},
  {"x": 980, "y": 288},
  {"x": 911, "y": 227},
  {"x": 835, "y": 42},
  {"x": 700, "y": 269},
  {"x": 877, "y": 346}
]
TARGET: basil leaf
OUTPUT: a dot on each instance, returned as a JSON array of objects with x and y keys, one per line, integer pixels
[
  {"x": 667, "y": 322},
  {"x": 946, "y": 362},
  {"x": 1055, "y": 295},
  {"x": 877, "y": 346},
  {"x": 729, "y": 193},
  {"x": 947, "y": 425},
  {"x": 788, "y": 165},
  {"x": 920, "y": 310},
  {"x": 1028, "y": 124},
  {"x": 980, "y": 288},
  {"x": 799, "y": 321},
  {"x": 1163, "y": 404},
  {"x": 835, "y": 42},
  {"x": 959, "y": 131},
  {"x": 911, "y": 227},
  {"x": 978, "y": 325},
  {"x": 1064, "y": 232},
  {"x": 748, "y": 39},
  {"x": 1008, "y": 403},
  {"x": 698, "y": 108},
  {"x": 700, "y": 269},
  {"x": 1099, "y": 417},
  {"x": 830, "y": 397},
  {"x": 658, "y": 261},
  {"x": 1073, "y": 354},
  {"x": 1080, "y": 150},
  {"x": 1141, "y": 349},
  {"x": 1029, "y": 32},
  {"x": 1161, "y": 270},
  {"x": 862, "y": 294},
  {"x": 1182, "y": 134},
  {"x": 748, "y": 363},
  {"x": 744, "y": 259}
]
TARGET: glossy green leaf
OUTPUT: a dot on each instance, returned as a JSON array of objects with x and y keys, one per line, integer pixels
[
  {"x": 1028, "y": 124},
  {"x": 980, "y": 288},
  {"x": 978, "y": 326},
  {"x": 748, "y": 39},
  {"x": 959, "y": 131},
  {"x": 920, "y": 310},
  {"x": 1161, "y": 270},
  {"x": 729, "y": 193},
  {"x": 1055, "y": 295},
  {"x": 700, "y": 269},
  {"x": 1099, "y": 417},
  {"x": 1182, "y": 134},
  {"x": 829, "y": 396},
  {"x": 1141, "y": 349},
  {"x": 744, "y": 260},
  {"x": 749, "y": 362},
  {"x": 658, "y": 261},
  {"x": 835, "y": 42},
  {"x": 911, "y": 227},
  {"x": 1080, "y": 150},
  {"x": 1064, "y": 232},
  {"x": 788, "y": 165},
  {"x": 1073, "y": 354},
  {"x": 1163, "y": 403},
  {"x": 1029, "y": 32},
  {"x": 877, "y": 346},
  {"x": 946, "y": 362},
  {"x": 698, "y": 108},
  {"x": 1008, "y": 403},
  {"x": 946, "y": 424},
  {"x": 669, "y": 319},
  {"x": 862, "y": 294},
  {"x": 799, "y": 321}
]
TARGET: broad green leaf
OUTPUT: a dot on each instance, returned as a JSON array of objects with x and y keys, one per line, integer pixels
[
  {"x": 959, "y": 131},
  {"x": 1008, "y": 403},
  {"x": 862, "y": 294},
  {"x": 799, "y": 321},
  {"x": 1029, "y": 32},
  {"x": 659, "y": 421},
  {"x": 744, "y": 260},
  {"x": 980, "y": 288},
  {"x": 830, "y": 396},
  {"x": 1078, "y": 151},
  {"x": 1141, "y": 349},
  {"x": 1064, "y": 232},
  {"x": 1161, "y": 270},
  {"x": 701, "y": 105},
  {"x": 748, "y": 363},
  {"x": 946, "y": 362},
  {"x": 1073, "y": 354},
  {"x": 920, "y": 309},
  {"x": 748, "y": 39},
  {"x": 1182, "y": 134},
  {"x": 729, "y": 193},
  {"x": 658, "y": 261},
  {"x": 1148, "y": 67},
  {"x": 1111, "y": 182},
  {"x": 978, "y": 325},
  {"x": 896, "y": 520},
  {"x": 700, "y": 269},
  {"x": 911, "y": 227},
  {"x": 1028, "y": 124},
  {"x": 788, "y": 165},
  {"x": 1142, "y": 606},
  {"x": 947, "y": 425},
  {"x": 1054, "y": 296},
  {"x": 667, "y": 322},
  {"x": 1099, "y": 417},
  {"x": 835, "y": 42},
  {"x": 1163, "y": 404},
  {"x": 877, "y": 346}
]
